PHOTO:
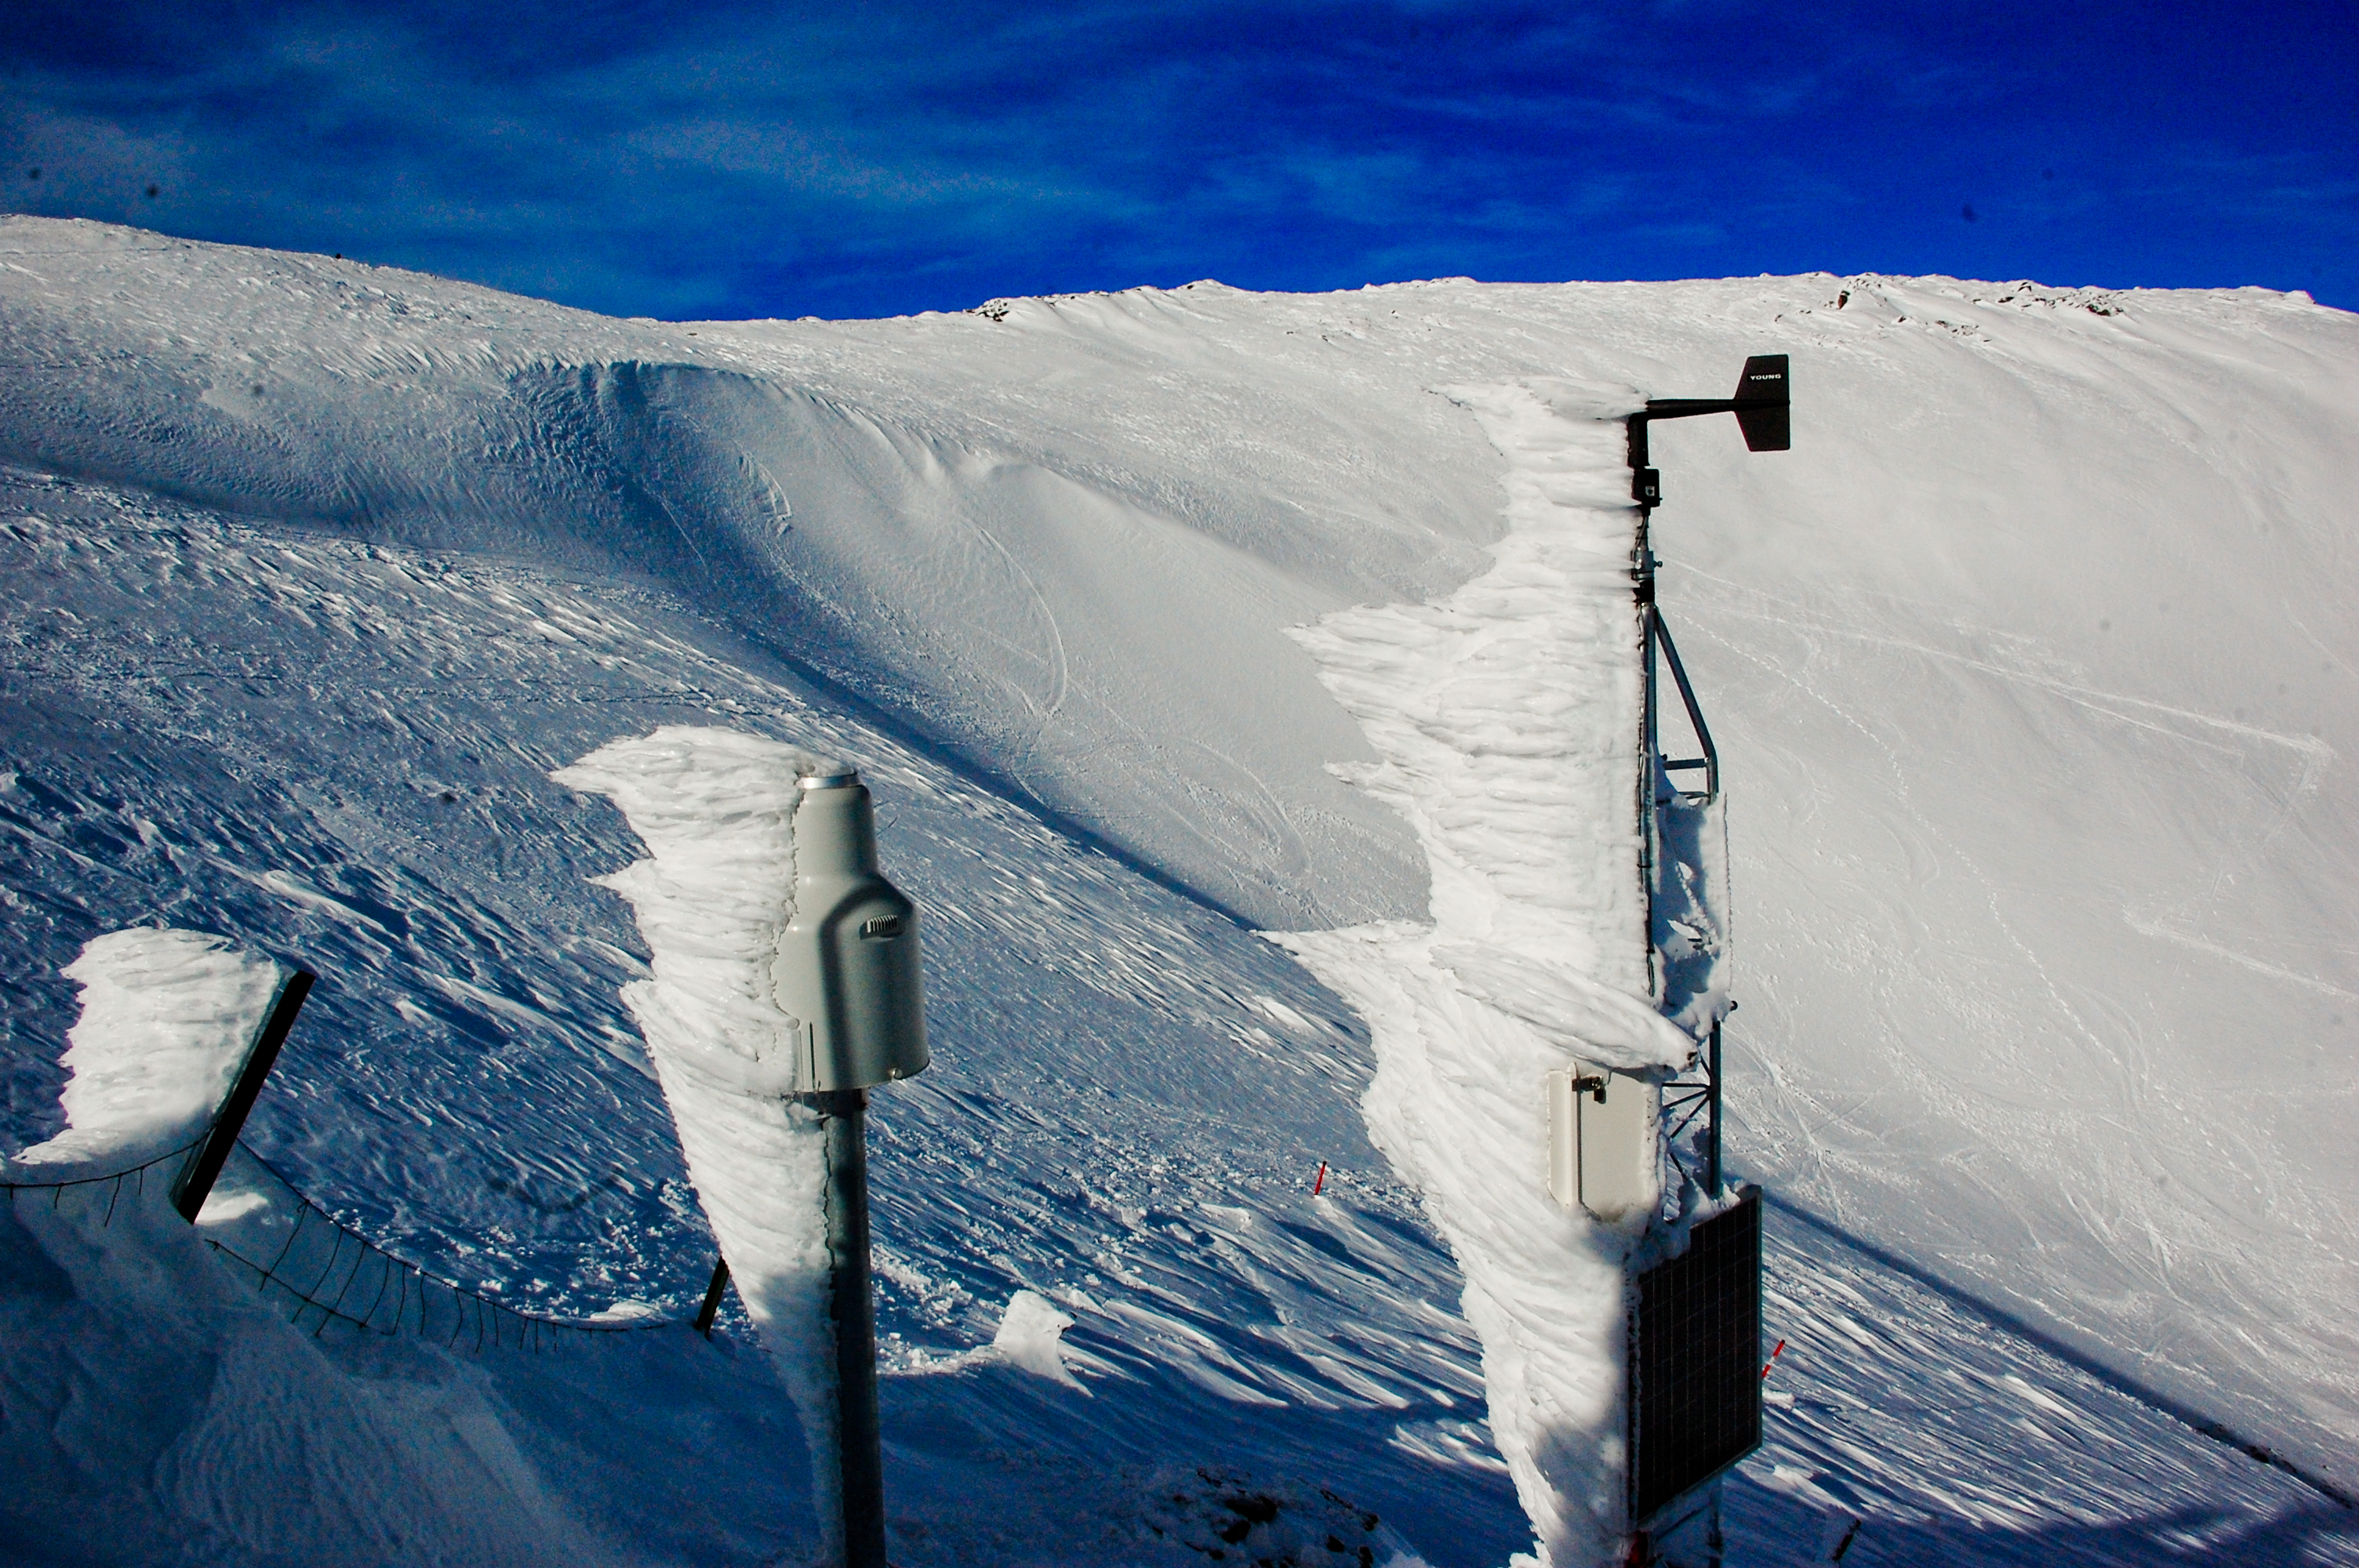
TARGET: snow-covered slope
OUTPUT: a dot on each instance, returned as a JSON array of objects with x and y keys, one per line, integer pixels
[
  {"x": 2029, "y": 668},
  {"x": 339, "y": 753}
]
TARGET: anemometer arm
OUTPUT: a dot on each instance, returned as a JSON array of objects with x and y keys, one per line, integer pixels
[{"x": 1760, "y": 406}]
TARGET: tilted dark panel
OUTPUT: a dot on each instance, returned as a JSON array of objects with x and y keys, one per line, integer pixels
[{"x": 1695, "y": 1360}]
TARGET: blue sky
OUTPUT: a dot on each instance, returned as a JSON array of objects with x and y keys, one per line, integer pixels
[{"x": 733, "y": 160}]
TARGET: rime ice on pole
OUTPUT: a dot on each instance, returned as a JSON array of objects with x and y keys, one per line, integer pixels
[
  {"x": 1504, "y": 716},
  {"x": 715, "y": 810}
]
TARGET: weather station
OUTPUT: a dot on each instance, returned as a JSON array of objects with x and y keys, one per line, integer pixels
[
  {"x": 1643, "y": 1151},
  {"x": 848, "y": 968}
]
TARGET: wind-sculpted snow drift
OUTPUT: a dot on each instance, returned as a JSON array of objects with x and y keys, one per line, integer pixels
[
  {"x": 165, "y": 1020},
  {"x": 2030, "y": 682}
]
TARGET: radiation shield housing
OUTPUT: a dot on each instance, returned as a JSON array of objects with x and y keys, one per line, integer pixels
[{"x": 848, "y": 964}]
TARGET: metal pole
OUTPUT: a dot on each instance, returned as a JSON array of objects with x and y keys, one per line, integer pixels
[
  {"x": 843, "y": 1119},
  {"x": 195, "y": 1182},
  {"x": 1712, "y": 1119},
  {"x": 711, "y": 1307},
  {"x": 1642, "y": 576}
]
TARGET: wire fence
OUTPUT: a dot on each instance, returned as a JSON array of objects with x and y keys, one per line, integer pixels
[
  {"x": 86, "y": 1187},
  {"x": 322, "y": 1273}
]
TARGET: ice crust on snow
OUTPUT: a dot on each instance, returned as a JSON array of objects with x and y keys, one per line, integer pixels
[
  {"x": 166, "y": 1019},
  {"x": 716, "y": 809}
]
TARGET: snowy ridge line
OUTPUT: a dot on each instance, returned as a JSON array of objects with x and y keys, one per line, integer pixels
[{"x": 2122, "y": 1382}]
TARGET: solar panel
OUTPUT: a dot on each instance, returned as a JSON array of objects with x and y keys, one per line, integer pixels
[{"x": 1695, "y": 1360}]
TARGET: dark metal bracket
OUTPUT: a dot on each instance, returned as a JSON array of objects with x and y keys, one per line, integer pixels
[
  {"x": 1659, "y": 635},
  {"x": 1685, "y": 1100}
]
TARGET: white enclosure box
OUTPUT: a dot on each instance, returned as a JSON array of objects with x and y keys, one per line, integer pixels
[{"x": 1602, "y": 1150}]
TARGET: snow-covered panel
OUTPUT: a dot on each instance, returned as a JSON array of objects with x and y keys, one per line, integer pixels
[{"x": 167, "y": 1019}]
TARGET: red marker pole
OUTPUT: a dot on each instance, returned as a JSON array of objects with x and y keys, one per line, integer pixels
[
  {"x": 1321, "y": 1180},
  {"x": 1773, "y": 1360}
]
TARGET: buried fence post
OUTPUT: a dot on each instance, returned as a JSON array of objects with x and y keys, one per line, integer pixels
[
  {"x": 195, "y": 1182},
  {"x": 848, "y": 970},
  {"x": 711, "y": 1307}
]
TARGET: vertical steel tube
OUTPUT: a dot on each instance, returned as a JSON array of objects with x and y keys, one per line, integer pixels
[
  {"x": 844, "y": 1116},
  {"x": 1650, "y": 748},
  {"x": 1642, "y": 576},
  {"x": 1712, "y": 1117}
]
